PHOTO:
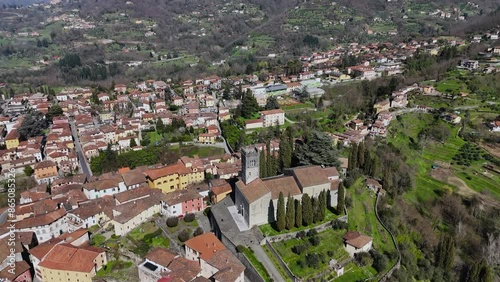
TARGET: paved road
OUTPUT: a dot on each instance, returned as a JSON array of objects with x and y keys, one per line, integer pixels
[
  {"x": 84, "y": 165},
  {"x": 226, "y": 146},
  {"x": 261, "y": 256}
]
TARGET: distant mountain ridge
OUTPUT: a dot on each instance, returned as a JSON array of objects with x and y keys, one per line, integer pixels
[{"x": 22, "y": 2}]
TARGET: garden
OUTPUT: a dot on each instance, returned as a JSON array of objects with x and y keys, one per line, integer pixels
[{"x": 183, "y": 229}]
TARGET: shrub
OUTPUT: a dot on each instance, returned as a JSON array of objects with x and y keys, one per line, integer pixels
[
  {"x": 189, "y": 217},
  {"x": 338, "y": 224},
  {"x": 240, "y": 248},
  {"x": 301, "y": 263},
  {"x": 299, "y": 249},
  {"x": 364, "y": 259},
  {"x": 313, "y": 260},
  {"x": 301, "y": 234},
  {"x": 207, "y": 212},
  {"x": 184, "y": 235},
  {"x": 315, "y": 240},
  {"x": 330, "y": 253},
  {"x": 198, "y": 232},
  {"x": 312, "y": 232},
  {"x": 172, "y": 221},
  {"x": 380, "y": 261}
]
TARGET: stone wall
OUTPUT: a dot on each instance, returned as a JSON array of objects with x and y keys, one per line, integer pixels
[{"x": 250, "y": 271}]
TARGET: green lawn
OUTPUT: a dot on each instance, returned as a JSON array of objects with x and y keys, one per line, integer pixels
[
  {"x": 330, "y": 241},
  {"x": 202, "y": 152},
  {"x": 426, "y": 187},
  {"x": 118, "y": 270},
  {"x": 269, "y": 230},
  {"x": 257, "y": 264},
  {"x": 362, "y": 216},
  {"x": 154, "y": 136},
  {"x": 297, "y": 106},
  {"x": 278, "y": 266},
  {"x": 353, "y": 272},
  {"x": 97, "y": 239}
]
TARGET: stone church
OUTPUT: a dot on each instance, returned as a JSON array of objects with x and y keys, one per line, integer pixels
[{"x": 256, "y": 199}]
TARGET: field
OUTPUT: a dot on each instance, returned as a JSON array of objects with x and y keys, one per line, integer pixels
[
  {"x": 362, "y": 216},
  {"x": 426, "y": 187},
  {"x": 330, "y": 241}
]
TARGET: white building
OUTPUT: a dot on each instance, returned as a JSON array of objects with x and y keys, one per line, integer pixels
[
  {"x": 355, "y": 242},
  {"x": 273, "y": 117}
]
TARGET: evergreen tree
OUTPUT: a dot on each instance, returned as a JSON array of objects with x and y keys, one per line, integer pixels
[
  {"x": 307, "y": 210},
  {"x": 272, "y": 103},
  {"x": 160, "y": 127},
  {"x": 132, "y": 142},
  {"x": 354, "y": 156},
  {"x": 445, "y": 253},
  {"x": 285, "y": 153},
  {"x": 298, "y": 213},
  {"x": 321, "y": 206},
  {"x": 290, "y": 212},
  {"x": 341, "y": 199},
  {"x": 263, "y": 165},
  {"x": 280, "y": 214},
  {"x": 317, "y": 149},
  {"x": 269, "y": 159},
  {"x": 361, "y": 155},
  {"x": 314, "y": 205}
]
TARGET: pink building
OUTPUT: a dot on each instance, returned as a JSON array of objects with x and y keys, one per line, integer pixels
[{"x": 180, "y": 202}]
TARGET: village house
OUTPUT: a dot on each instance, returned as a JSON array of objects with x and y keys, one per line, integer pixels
[
  {"x": 219, "y": 189},
  {"x": 216, "y": 262},
  {"x": 355, "y": 242},
  {"x": 79, "y": 263},
  {"x": 12, "y": 139},
  {"x": 161, "y": 264},
  {"x": 181, "y": 202},
  {"x": 272, "y": 117},
  {"x": 173, "y": 177},
  {"x": 45, "y": 226},
  {"x": 45, "y": 172}
]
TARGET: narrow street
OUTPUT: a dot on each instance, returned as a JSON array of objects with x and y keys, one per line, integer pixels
[{"x": 84, "y": 165}]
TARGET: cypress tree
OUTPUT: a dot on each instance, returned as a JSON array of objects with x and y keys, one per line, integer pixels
[
  {"x": 285, "y": 154},
  {"x": 290, "y": 212},
  {"x": 307, "y": 211},
  {"x": 341, "y": 199},
  {"x": 269, "y": 159},
  {"x": 354, "y": 156},
  {"x": 280, "y": 215},
  {"x": 298, "y": 213},
  {"x": 445, "y": 253},
  {"x": 321, "y": 206},
  {"x": 361, "y": 155},
  {"x": 314, "y": 205},
  {"x": 262, "y": 165}
]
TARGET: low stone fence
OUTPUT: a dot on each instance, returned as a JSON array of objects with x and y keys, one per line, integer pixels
[
  {"x": 282, "y": 263},
  {"x": 250, "y": 271}
]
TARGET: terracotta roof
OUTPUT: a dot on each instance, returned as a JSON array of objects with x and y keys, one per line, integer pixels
[
  {"x": 42, "y": 250},
  {"x": 356, "y": 239},
  {"x": 131, "y": 209},
  {"x": 133, "y": 177},
  {"x": 206, "y": 244},
  {"x": 19, "y": 268},
  {"x": 71, "y": 258},
  {"x": 44, "y": 164},
  {"x": 254, "y": 190},
  {"x": 230, "y": 268},
  {"x": 73, "y": 236},
  {"x": 181, "y": 196},
  {"x": 220, "y": 188},
  {"x": 41, "y": 220},
  {"x": 103, "y": 183},
  {"x": 307, "y": 176},
  {"x": 161, "y": 256},
  {"x": 140, "y": 192},
  {"x": 272, "y": 112},
  {"x": 284, "y": 184},
  {"x": 167, "y": 170}
]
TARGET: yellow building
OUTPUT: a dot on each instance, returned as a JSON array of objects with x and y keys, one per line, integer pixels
[
  {"x": 12, "y": 139},
  {"x": 45, "y": 170},
  {"x": 173, "y": 177},
  {"x": 206, "y": 138},
  {"x": 72, "y": 264},
  {"x": 220, "y": 190}
]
